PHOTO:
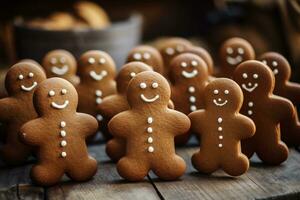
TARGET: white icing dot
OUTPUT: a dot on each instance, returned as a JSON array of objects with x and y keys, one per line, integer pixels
[
  {"x": 221, "y": 137},
  {"x": 226, "y": 92},
  {"x": 194, "y": 63},
  {"x": 91, "y": 60},
  {"x": 250, "y": 104},
  {"x": 102, "y": 60},
  {"x": 150, "y": 120},
  {"x": 132, "y": 74},
  {"x": 143, "y": 85},
  {"x": 150, "y": 140},
  {"x": 255, "y": 76},
  {"x": 63, "y": 133},
  {"x": 216, "y": 91},
  {"x": 220, "y": 129},
  {"x": 219, "y": 99},
  {"x": 274, "y": 63},
  {"x": 245, "y": 75},
  {"x": 275, "y": 71},
  {"x": 220, "y": 145},
  {"x": 154, "y": 85},
  {"x": 192, "y": 99},
  {"x": 98, "y": 93},
  {"x": 21, "y": 77},
  {"x": 150, "y": 149},
  {"x": 264, "y": 61},
  {"x": 63, "y": 124},
  {"x": 64, "y": 91},
  {"x": 250, "y": 112},
  {"x": 220, "y": 120},
  {"x": 98, "y": 100},
  {"x": 51, "y": 93},
  {"x": 149, "y": 130},
  {"x": 183, "y": 64},
  {"x": 99, "y": 117},
  {"x": 249, "y": 84},
  {"x": 137, "y": 56},
  {"x": 63, "y": 143},
  {"x": 104, "y": 73},
  {"x": 179, "y": 48},
  {"x": 193, "y": 108},
  {"x": 31, "y": 74},
  {"x": 229, "y": 50},
  {"x": 192, "y": 89},
  {"x": 147, "y": 56},
  {"x": 170, "y": 51},
  {"x": 53, "y": 61},
  {"x": 63, "y": 154},
  {"x": 241, "y": 51}
]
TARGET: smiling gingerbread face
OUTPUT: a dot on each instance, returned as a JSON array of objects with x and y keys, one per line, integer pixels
[
  {"x": 223, "y": 95},
  {"x": 96, "y": 66},
  {"x": 23, "y": 78},
  {"x": 55, "y": 95},
  {"x": 59, "y": 63},
  {"x": 148, "y": 88},
  {"x": 255, "y": 78}
]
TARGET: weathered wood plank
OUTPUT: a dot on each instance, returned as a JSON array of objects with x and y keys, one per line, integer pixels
[{"x": 260, "y": 182}]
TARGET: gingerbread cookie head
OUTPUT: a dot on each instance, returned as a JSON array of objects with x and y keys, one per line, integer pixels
[
  {"x": 235, "y": 51},
  {"x": 279, "y": 66},
  {"x": 148, "y": 55},
  {"x": 59, "y": 63},
  {"x": 186, "y": 67},
  {"x": 55, "y": 96},
  {"x": 96, "y": 66},
  {"x": 202, "y": 53},
  {"x": 148, "y": 89},
  {"x": 255, "y": 78},
  {"x": 223, "y": 95},
  {"x": 127, "y": 72},
  {"x": 23, "y": 78}
]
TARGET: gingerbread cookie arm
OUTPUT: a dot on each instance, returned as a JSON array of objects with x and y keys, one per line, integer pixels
[
  {"x": 7, "y": 108},
  {"x": 196, "y": 118},
  {"x": 112, "y": 105},
  {"x": 88, "y": 124},
  {"x": 247, "y": 127},
  {"x": 180, "y": 122},
  {"x": 293, "y": 89},
  {"x": 118, "y": 125},
  {"x": 171, "y": 104},
  {"x": 31, "y": 132},
  {"x": 285, "y": 108}
]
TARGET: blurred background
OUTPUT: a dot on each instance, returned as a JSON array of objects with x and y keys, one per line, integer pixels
[{"x": 31, "y": 28}]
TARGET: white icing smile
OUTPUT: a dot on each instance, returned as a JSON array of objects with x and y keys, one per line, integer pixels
[
  {"x": 60, "y": 106},
  {"x": 249, "y": 89},
  {"x": 189, "y": 74},
  {"x": 98, "y": 77},
  {"x": 220, "y": 104},
  {"x": 60, "y": 71},
  {"x": 28, "y": 89},
  {"x": 234, "y": 60},
  {"x": 145, "y": 99}
]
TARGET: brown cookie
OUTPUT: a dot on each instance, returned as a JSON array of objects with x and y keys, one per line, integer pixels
[
  {"x": 221, "y": 128},
  {"x": 267, "y": 111},
  {"x": 233, "y": 52},
  {"x": 283, "y": 87},
  {"x": 59, "y": 134},
  {"x": 97, "y": 72},
  {"x": 16, "y": 109},
  {"x": 189, "y": 77},
  {"x": 116, "y": 103},
  {"x": 170, "y": 48},
  {"x": 61, "y": 63},
  {"x": 148, "y": 55},
  {"x": 149, "y": 128}
]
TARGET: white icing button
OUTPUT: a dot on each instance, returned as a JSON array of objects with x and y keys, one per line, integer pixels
[
  {"x": 250, "y": 112},
  {"x": 250, "y": 104},
  {"x": 150, "y": 120},
  {"x": 274, "y": 63},
  {"x": 99, "y": 117},
  {"x": 63, "y": 143},
  {"x": 98, "y": 100},
  {"x": 220, "y": 120},
  {"x": 150, "y": 140},
  {"x": 220, "y": 128},
  {"x": 63, "y": 124},
  {"x": 193, "y": 108},
  {"x": 191, "y": 89},
  {"x": 149, "y": 130},
  {"x": 63, "y": 133},
  {"x": 150, "y": 149},
  {"x": 63, "y": 154},
  {"x": 220, "y": 145},
  {"x": 221, "y": 137},
  {"x": 192, "y": 99},
  {"x": 98, "y": 93},
  {"x": 31, "y": 75}
]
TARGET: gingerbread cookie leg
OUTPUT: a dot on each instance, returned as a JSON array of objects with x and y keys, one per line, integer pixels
[
  {"x": 133, "y": 169},
  {"x": 235, "y": 165},
  {"x": 46, "y": 173},
  {"x": 116, "y": 149},
  {"x": 82, "y": 170},
  {"x": 205, "y": 162}
]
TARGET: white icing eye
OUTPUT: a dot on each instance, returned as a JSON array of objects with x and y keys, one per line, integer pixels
[
  {"x": 241, "y": 51},
  {"x": 216, "y": 91},
  {"x": 154, "y": 85},
  {"x": 170, "y": 51},
  {"x": 264, "y": 61},
  {"x": 229, "y": 50},
  {"x": 51, "y": 93},
  {"x": 226, "y": 92},
  {"x": 132, "y": 74},
  {"x": 194, "y": 63},
  {"x": 147, "y": 56},
  {"x": 179, "y": 48},
  {"x": 137, "y": 56},
  {"x": 255, "y": 76},
  {"x": 183, "y": 64},
  {"x": 62, "y": 60},
  {"x": 63, "y": 91},
  {"x": 102, "y": 61},
  {"x": 104, "y": 73},
  {"x": 274, "y": 63},
  {"x": 91, "y": 60},
  {"x": 21, "y": 77},
  {"x": 143, "y": 85},
  {"x": 245, "y": 75},
  {"x": 30, "y": 74},
  {"x": 53, "y": 61}
]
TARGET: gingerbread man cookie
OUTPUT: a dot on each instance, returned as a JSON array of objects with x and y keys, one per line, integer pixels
[
  {"x": 221, "y": 128},
  {"x": 97, "y": 72},
  {"x": 16, "y": 109},
  {"x": 149, "y": 128},
  {"x": 283, "y": 87},
  {"x": 170, "y": 48},
  {"x": 61, "y": 63},
  {"x": 233, "y": 52},
  {"x": 148, "y": 55},
  {"x": 59, "y": 134},
  {"x": 267, "y": 110},
  {"x": 116, "y": 103},
  {"x": 189, "y": 77}
]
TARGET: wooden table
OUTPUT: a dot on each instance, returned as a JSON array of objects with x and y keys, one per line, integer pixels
[{"x": 261, "y": 182}]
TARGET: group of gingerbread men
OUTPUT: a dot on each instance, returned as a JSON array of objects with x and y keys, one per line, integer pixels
[{"x": 159, "y": 98}]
